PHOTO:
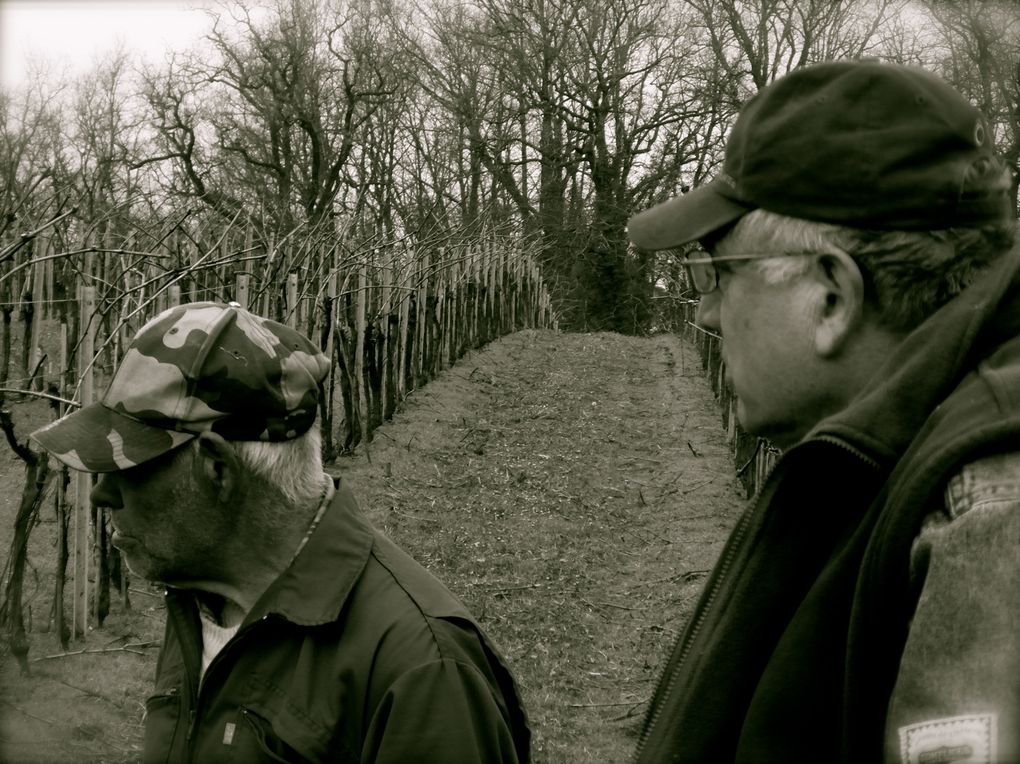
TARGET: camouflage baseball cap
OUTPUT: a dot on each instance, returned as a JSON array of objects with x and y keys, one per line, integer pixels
[{"x": 191, "y": 369}]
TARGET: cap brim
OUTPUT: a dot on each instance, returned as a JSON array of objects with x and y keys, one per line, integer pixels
[
  {"x": 98, "y": 439},
  {"x": 686, "y": 218}
]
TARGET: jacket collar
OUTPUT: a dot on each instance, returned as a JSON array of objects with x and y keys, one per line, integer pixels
[{"x": 314, "y": 588}]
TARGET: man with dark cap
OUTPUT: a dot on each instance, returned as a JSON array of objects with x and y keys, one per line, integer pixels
[
  {"x": 295, "y": 631},
  {"x": 857, "y": 260}
]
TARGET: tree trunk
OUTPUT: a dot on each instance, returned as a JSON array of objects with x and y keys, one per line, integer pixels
[{"x": 11, "y": 615}]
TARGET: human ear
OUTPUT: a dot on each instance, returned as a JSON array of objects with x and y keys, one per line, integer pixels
[
  {"x": 220, "y": 469},
  {"x": 842, "y": 305},
  {"x": 707, "y": 313}
]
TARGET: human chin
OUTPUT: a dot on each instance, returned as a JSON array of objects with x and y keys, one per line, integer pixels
[{"x": 752, "y": 418}]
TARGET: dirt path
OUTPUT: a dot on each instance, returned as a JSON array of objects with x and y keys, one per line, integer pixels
[{"x": 572, "y": 489}]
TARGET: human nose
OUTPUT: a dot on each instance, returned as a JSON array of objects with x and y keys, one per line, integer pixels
[
  {"x": 707, "y": 315},
  {"x": 105, "y": 493}
]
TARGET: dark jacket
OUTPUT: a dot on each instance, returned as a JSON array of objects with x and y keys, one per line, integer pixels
[
  {"x": 354, "y": 654},
  {"x": 795, "y": 645}
]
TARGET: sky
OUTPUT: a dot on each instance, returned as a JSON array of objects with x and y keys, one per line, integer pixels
[{"x": 69, "y": 36}]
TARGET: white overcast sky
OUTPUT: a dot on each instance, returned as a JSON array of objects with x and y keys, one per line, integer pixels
[{"x": 71, "y": 35}]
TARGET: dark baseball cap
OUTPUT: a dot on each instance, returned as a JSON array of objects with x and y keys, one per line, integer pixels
[
  {"x": 194, "y": 368},
  {"x": 858, "y": 143}
]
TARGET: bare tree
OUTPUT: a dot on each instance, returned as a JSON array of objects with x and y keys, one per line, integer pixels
[
  {"x": 30, "y": 143},
  {"x": 756, "y": 41},
  {"x": 980, "y": 55}
]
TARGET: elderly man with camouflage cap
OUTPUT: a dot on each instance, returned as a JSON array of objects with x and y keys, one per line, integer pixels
[
  {"x": 857, "y": 260},
  {"x": 295, "y": 631}
]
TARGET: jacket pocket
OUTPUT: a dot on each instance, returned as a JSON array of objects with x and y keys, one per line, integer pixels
[
  {"x": 262, "y": 743},
  {"x": 162, "y": 717}
]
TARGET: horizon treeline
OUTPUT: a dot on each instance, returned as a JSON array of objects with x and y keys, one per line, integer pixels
[{"x": 381, "y": 121}]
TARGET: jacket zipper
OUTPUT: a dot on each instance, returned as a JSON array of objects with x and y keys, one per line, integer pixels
[
  {"x": 230, "y": 646},
  {"x": 722, "y": 574},
  {"x": 832, "y": 440},
  {"x": 673, "y": 668}
]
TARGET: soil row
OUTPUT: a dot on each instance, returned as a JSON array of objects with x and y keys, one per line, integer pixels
[{"x": 572, "y": 489}]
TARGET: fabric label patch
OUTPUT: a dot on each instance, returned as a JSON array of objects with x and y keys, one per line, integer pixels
[
  {"x": 954, "y": 740},
  {"x": 228, "y": 733}
]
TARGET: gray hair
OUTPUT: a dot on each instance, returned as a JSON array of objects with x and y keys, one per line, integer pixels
[
  {"x": 909, "y": 274},
  {"x": 293, "y": 468}
]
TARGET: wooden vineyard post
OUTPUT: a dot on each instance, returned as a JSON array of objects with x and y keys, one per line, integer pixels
[
  {"x": 481, "y": 294},
  {"x": 224, "y": 275},
  {"x": 329, "y": 320},
  {"x": 493, "y": 327},
  {"x": 517, "y": 287},
  {"x": 224, "y": 257},
  {"x": 158, "y": 304},
  {"x": 461, "y": 314},
  {"x": 760, "y": 461},
  {"x": 485, "y": 305},
  {"x": 330, "y": 315},
  {"x": 59, "y": 615},
  {"x": 476, "y": 280},
  {"x": 83, "y": 480},
  {"x": 385, "y": 399},
  {"x": 309, "y": 283},
  {"x": 292, "y": 299},
  {"x": 441, "y": 346},
  {"x": 64, "y": 371},
  {"x": 192, "y": 258},
  {"x": 545, "y": 317},
  {"x": 421, "y": 287},
  {"x": 403, "y": 338},
  {"x": 129, "y": 302},
  {"x": 497, "y": 329},
  {"x": 450, "y": 308},
  {"x": 450, "y": 319},
  {"x": 539, "y": 294},
  {"x": 534, "y": 319},
  {"x": 531, "y": 282},
  {"x": 359, "y": 351},
  {"x": 41, "y": 250},
  {"x": 731, "y": 420},
  {"x": 528, "y": 297},
  {"x": 453, "y": 310},
  {"x": 501, "y": 292},
  {"x": 270, "y": 254},
  {"x": 314, "y": 311},
  {"x": 241, "y": 290},
  {"x": 437, "y": 333},
  {"x": 468, "y": 300},
  {"x": 512, "y": 287},
  {"x": 161, "y": 294},
  {"x": 50, "y": 297}
]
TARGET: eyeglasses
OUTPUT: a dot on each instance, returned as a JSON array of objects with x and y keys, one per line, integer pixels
[{"x": 704, "y": 276}]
